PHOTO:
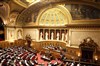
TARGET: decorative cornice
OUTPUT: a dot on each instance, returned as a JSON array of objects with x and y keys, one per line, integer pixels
[
  {"x": 83, "y": 25},
  {"x": 25, "y": 16},
  {"x": 68, "y": 26}
]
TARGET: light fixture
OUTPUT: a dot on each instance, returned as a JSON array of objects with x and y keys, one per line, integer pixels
[
  {"x": 30, "y": 1},
  {"x": 79, "y": 54},
  {"x": 96, "y": 57}
]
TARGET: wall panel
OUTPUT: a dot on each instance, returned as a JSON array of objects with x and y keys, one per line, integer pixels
[
  {"x": 34, "y": 33},
  {"x": 77, "y": 35}
]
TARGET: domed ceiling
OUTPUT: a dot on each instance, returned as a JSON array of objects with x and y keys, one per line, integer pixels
[{"x": 53, "y": 17}]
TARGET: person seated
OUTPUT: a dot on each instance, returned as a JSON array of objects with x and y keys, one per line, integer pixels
[
  {"x": 26, "y": 63},
  {"x": 72, "y": 64},
  {"x": 45, "y": 58},
  {"x": 28, "y": 40},
  {"x": 78, "y": 64},
  {"x": 49, "y": 64},
  {"x": 32, "y": 63},
  {"x": 9, "y": 62},
  {"x": 22, "y": 63},
  {"x": 4, "y": 62},
  {"x": 32, "y": 57},
  {"x": 28, "y": 57},
  {"x": 16, "y": 62},
  {"x": 53, "y": 61}
]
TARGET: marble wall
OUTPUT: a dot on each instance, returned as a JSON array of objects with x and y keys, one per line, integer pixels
[
  {"x": 34, "y": 33},
  {"x": 77, "y": 35}
]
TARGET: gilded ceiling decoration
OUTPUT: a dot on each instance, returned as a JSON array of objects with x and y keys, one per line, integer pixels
[
  {"x": 26, "y": 3},
  {"x": 53, "y": 17},
  {"x": 81, "y": 12},
  {"x": 4, "y": 12},
  {"x": 26, "y": 15}
]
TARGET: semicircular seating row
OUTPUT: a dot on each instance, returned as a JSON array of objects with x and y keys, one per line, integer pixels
[{"x": 22, "y": 56}]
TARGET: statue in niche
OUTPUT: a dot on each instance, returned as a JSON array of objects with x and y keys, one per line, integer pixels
[
  {"x": 19, "y": 34},
  {"x": 57, "y": 35},
  {"x": 62, "y": 36},
  {"x": 66, "y": 37},
  {"x": 41, "y": 34},
  {"x": 52, "y": 36},
  {"x": 46, "y": 36},
  {"x": 11, "y": 34}
]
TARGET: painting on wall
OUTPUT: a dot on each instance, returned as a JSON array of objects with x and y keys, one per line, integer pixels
[
  {"x": 34, "y": 17},
  {"x": 11, "y": 35},
  {"x": 13, "y": 17},
  {"x": 19, "y": 34},
  {"x": 81, "y": 12}
]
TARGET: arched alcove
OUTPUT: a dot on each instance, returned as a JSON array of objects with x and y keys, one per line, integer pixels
[
  {"x": 54, "y": 16},
  {"x": 2, "y": 37}
]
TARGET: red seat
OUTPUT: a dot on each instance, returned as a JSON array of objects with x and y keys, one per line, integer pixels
[
  {"x": 33, "y": 58},
  {"x": 4, "y": 62}
]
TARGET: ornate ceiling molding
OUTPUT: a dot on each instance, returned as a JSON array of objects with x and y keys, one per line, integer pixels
[
  {"x": 26, "y": 3},
  {"x": 68, "y": 26},
  {"x": 4, "y": 12},
  {"x": 83, "y": 26},
  {"x": 25, "y": 16}
]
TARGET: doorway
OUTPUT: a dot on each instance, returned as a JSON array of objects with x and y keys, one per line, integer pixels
[
  {"x": 2, "y": 37},
  {"x": 87, "y": 55}
]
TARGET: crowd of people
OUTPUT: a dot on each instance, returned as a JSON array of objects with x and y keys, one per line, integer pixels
[
  {"x": 54, "y": 48},
  {"x": 21, "y": 56}
]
